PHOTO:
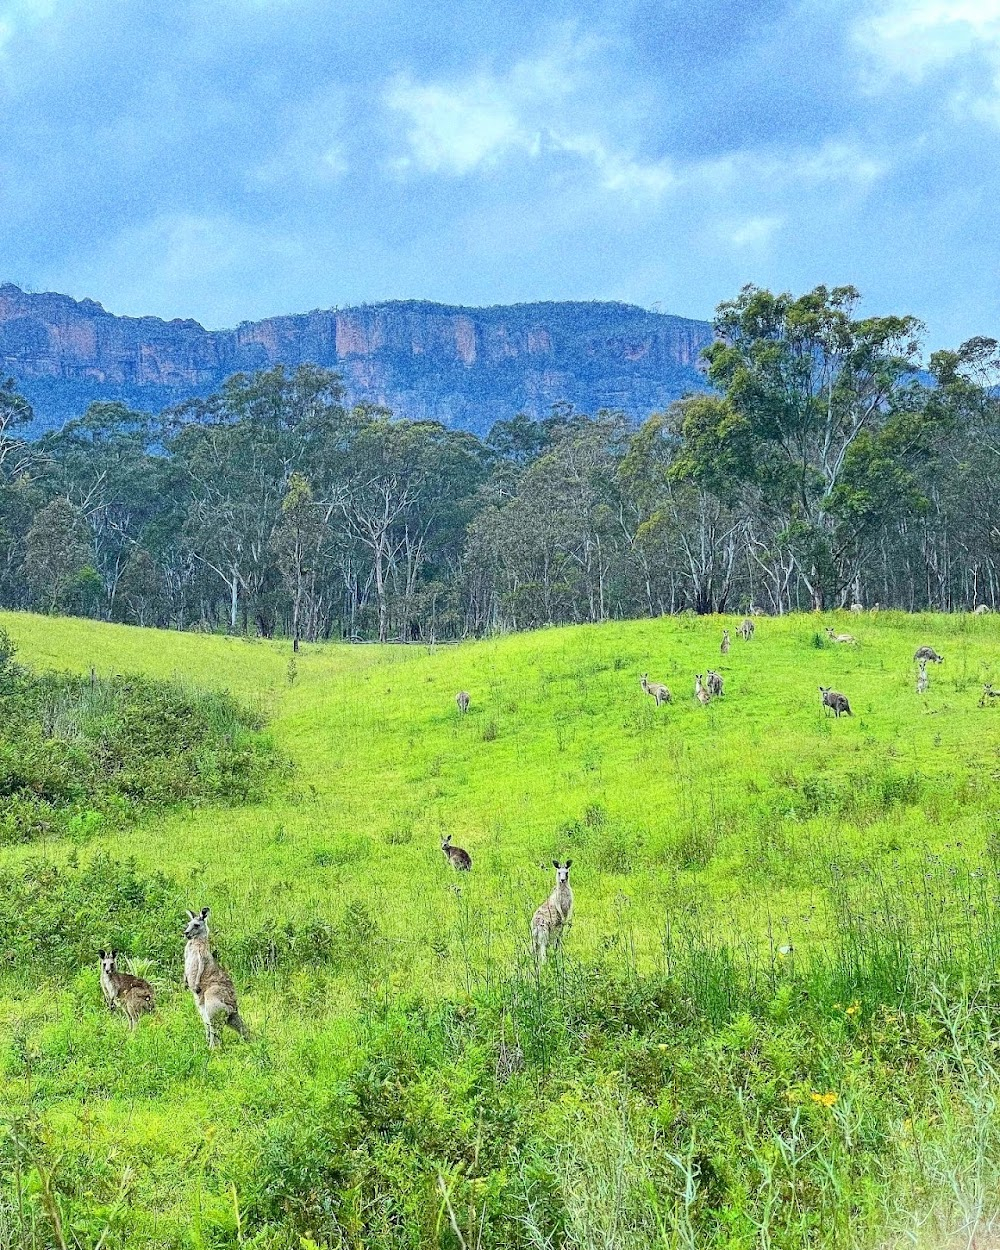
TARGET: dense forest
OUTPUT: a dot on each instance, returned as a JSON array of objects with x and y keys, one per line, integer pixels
[{"x": 828, "y": 465}]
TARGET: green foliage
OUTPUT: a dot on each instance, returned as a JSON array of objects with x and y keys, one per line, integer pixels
[{"x": 78, "y": 751}]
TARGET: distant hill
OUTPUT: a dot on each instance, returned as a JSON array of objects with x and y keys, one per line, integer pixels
[{"x": 465, "y": 367}]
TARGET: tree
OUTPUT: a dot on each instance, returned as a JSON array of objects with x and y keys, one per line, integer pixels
[
  {"x": 58, "y": 553},
  {"x": 814, "y": 397}
]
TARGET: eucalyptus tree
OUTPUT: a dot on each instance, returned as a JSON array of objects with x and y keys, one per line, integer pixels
[{"x": 818, "y": 418}]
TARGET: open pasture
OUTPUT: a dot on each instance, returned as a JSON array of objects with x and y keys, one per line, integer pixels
[{"x": 740, "y": 830}]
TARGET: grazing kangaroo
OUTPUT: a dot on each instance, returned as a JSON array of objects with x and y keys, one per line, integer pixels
[
  {"x": 208, "y": 981},
  {"x": 988, "y": 695},
  {"x": 132, "y": 994},
  {"x": 554, "y": 915},
  {"x": 844, "y": 638},
  {"x": 835, "y": 700},
  {"x": 922, "y": 678},
  {"x": 927, "y": 654},
  {"x": 463, "y": 701},
  {"x": 857, "y": 607},
  {"x": 459, "y": 859},
  {"x": 725, "y": 642},
  {"x": 700, "y": 692},
  {"x": 714, "y": 682},
  {"x": 746, "y": 629},
  {"x": 656, "y": 691},
  {"x": 981, "y": 609}
]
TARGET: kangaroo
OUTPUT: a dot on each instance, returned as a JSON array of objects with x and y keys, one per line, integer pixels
[
  {"x": 988, "y": 695},
  {"x": 835, "y": 700},
  {"x": 459, "y": 859},
  {"x": 841, "y": 638},
  {"x": 714, "y": 682},
  {"x": 554, "y": 915},
  {"x": 657, "y": 692},
  {"x": 927, "y": 654},
  {"x": 922, "y": 678},
  {"x": 725, "y": 642},
  {"x": 132, "y": 994},
  {"x": 981, "y": 609},
  {"x": 208, "y": 981},
  {"x": 463, "y": 701},
  {"x": 747, "y": 629},
  {"x": 700, "y": 692}
]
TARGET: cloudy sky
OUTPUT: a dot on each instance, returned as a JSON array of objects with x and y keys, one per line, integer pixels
[{"x": 229, "y": 159}]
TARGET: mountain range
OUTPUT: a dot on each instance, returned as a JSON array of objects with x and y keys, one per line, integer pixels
[{"x": 465, "y": 367}]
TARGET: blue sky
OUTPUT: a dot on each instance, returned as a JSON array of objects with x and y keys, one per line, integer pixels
[{"x": 230, "y": 159}]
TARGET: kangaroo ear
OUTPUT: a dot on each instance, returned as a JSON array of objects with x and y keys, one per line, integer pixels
[
  {"x": 100, "y": 954},
  {"x": 204, "y": 912},
  {"x": 568, "y": 862},
  {"x": 555, "y": 863},
  {"x": 190, "y": 913}
]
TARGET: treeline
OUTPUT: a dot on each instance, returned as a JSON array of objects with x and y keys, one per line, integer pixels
[{"x": 827, "y": 465}]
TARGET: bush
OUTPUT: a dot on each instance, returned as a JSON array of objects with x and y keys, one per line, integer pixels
[{"x": 76, "y": 751}]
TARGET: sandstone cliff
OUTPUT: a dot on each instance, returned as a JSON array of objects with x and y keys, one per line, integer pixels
[{"x": 466, "y": 367}]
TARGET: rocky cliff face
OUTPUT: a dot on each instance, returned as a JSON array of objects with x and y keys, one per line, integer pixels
[{"x": 466, "y": 367}]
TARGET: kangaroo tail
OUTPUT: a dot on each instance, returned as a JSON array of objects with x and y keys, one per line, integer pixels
[{"x": 237, "y": 1022}]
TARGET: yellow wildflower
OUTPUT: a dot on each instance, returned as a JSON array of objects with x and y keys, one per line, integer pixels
[
  {"x": 824, "y": 1100},
  {"x": 853, "y": 1009}
]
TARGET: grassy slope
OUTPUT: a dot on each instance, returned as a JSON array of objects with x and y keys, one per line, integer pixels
[{"x": 560, "y": 755}]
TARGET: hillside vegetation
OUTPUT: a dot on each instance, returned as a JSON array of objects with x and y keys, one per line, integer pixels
[{"x": 773, "y": 1021}]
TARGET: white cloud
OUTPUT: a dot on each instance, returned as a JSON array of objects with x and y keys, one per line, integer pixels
[
  {"x": 534, "y": 110},
  {"x": 909, "y": 37}
]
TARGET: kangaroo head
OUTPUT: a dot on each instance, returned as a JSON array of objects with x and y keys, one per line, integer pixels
[
  {"x": 825, "y": 689},
  {"x": 197, "y": 925},
  {"x": 109, "y": 961},
  {"x": 562, "y": 871},
  {"x": 446, "y": 842}
]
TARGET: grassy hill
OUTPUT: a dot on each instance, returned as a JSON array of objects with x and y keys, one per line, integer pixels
[{"x": 773, "y": 1022}]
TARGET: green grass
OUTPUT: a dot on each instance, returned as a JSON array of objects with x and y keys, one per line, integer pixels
[{"x": 669, "y": 1060}]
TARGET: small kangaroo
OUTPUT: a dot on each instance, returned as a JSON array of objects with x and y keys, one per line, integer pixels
[
  {"x": 724, "y": 648},
  {"x": 841, "y": 638},
  {"x": 746, "y": 629},
  {"x": 927, "y": 654},
  {"x": 208, "y": 981},
  {"x": 463, "y": 701},
  {"x": 835, "y": 700},
  {"x": 132, "y": 994},
  {"x": 700, "y": 692},
  {"x": 714, "y": 682},
  {"x": 656, "y": 691},
  {"x": 857, "y": 607},
  {"x": 922, "y": 678},
  {"x": 459, "y": 859},
  {"x": 554, "y": 915},
  {"x": 981, "y": 609},
  {"x": 988, "y": 695}
]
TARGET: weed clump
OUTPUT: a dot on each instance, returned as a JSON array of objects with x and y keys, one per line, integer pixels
[{"x": 78, "y": 752}]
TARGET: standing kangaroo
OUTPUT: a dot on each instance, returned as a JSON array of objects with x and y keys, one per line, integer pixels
[
  {"x": 456, "y": 856},
  {"x": 554, "y": 915},
  {"x": 746, "y": 629},
  {"x": 724, "y": 648},
  {"x": 714, "y": 682},
  {"x": 835, "y": 700},
  {"x": 700, "y": 692},
  {"x": 463, "y": 701},
  {"x": 657, "y": 692},
  {"x": 922, "y": 678},
  {"x": 208, "y": 981},
  {"x": 132, "y": 994}
]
